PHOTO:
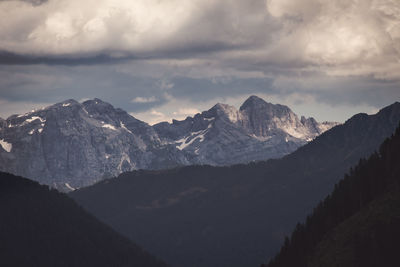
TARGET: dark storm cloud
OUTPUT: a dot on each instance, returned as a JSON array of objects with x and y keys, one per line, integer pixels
[
  {"x": 110, "y": 83},
  {"x": 49, "y": 84},
  {"x": 35, "y": 2},
  {"x": 45, "y": 83},
  {"x": 7, "y": 58},
  {"x": 207, "y": 89},
  {"x": 32, "y": 2},
  {"x": 112, "y": 57},
  {"x": 362, "y": 90},
  {"x": 137, "y": 93}
]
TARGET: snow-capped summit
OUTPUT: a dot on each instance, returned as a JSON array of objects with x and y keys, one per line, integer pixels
[{"x": 71, "y": 144}]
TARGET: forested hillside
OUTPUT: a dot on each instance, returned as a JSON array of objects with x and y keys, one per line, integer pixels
[
  {"x": 42, "y": 227},
  {"x": 359, "y": 223}
]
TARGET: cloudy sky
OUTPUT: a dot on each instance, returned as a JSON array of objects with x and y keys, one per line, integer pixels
[{"x": 163, "y": 59}]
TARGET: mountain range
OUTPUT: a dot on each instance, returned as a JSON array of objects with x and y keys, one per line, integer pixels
[
  {"x": 71, "y": 145},
  {"x": 203, "y": 215},
  {"x": 236, "y": 215}
]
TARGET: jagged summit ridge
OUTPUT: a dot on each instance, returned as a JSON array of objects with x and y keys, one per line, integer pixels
[
  {"x": 71, "y": 144},
  {"x": 257, "y": 131},
  {"x": 255, "y": 101}
]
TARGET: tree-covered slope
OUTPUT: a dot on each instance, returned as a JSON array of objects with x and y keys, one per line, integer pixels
[
  {"x": 358, "y": 224},
  {"x": 42, "y": 227},
  {"x": 370, "y": 238}
]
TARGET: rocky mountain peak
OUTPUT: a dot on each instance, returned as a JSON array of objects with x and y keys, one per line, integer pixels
[
  {"x": 97, "y": 106},
  {"x": 265, "y": 119},
  {"x": 224, "y": 111},
  {"x": 220, "y": 107},
  {"x": 68, "y": 102},
  {"x": 257, "y": 107},
  {"x": 252, "y": 102}
]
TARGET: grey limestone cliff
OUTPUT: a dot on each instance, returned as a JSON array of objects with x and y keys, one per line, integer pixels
[{"x": 224, "y": 135}]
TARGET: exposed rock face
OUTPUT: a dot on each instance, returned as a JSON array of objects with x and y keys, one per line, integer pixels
[
  {"x": 72, "y": 144},
  {"x": 224, "y": 135}
]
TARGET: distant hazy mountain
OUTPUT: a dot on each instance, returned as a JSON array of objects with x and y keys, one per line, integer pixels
[
  {"x": 70, "y": 144},
  {"x": 42, "y": 227},
  {"x": 238, "y": 215},
  {"x": 358, "y": 224}
]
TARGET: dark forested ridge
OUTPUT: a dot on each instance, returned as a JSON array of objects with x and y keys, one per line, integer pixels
[
  {"x": 238, "y": 215},
  {"x": 42, "y": 227},
  {"x": 358, "y": 224}
]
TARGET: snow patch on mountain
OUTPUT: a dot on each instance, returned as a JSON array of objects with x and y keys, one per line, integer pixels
[
  {"x": 209, "y": 119},
  {"x": 69, "y": 187},
  {"x": 27, "y": 121},
  {"x": 5, "y": 145},
  {"x": 33, "y": 118},
  {"x": 187, "y": 141},
  {"x": 293, "y": 132},
  {"x": 122, "y": 125},
  {"x": 109, "y": 126},
  {"x": 124, "y": 158}
]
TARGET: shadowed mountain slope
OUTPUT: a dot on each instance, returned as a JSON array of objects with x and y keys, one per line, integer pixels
[
  {"x": 42, "y": 227},
  {"x": 358, "y": 224}
]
